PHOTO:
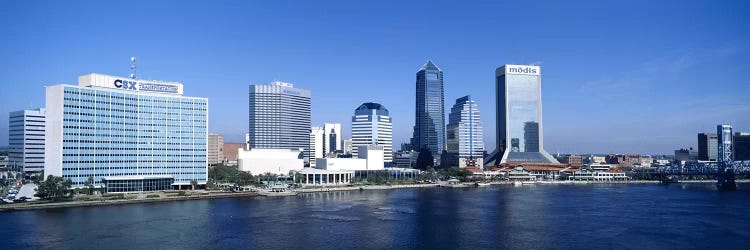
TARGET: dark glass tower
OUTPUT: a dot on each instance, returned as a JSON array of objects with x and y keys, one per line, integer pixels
[{"x": 429, "y": 125}]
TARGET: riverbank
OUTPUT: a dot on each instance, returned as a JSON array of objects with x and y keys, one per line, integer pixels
[
  {"x": 103, "y": 202},
  {"x": 145, "y": 197},
  {"x": 366, "y": 187}
]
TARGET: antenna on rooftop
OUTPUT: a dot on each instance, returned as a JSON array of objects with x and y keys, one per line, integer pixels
[{"x": 132, "y": 67}]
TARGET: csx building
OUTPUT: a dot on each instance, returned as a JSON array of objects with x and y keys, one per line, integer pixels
[{"x": 129, "y": 135}]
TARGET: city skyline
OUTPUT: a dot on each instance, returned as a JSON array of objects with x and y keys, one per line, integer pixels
[{"x": 582, "y": 89}]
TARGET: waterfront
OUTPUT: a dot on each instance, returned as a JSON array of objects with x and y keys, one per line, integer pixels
[{"x": 533, "y": 216}]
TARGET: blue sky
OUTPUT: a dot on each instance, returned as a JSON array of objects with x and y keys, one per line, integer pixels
[{"x": 617, "y": 76}]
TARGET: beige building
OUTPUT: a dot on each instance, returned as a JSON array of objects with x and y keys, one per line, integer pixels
[
  {"x": 215, "y": 149},
  {"x": 230, "y": 152}
]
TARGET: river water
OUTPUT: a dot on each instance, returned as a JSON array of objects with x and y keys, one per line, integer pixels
[{"x": 527, "y": 217}]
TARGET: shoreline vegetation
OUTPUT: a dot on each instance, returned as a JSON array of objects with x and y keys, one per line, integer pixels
[{"x": 133, "y": 198}]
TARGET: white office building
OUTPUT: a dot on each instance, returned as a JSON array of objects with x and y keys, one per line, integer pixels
[
  {"x": 260, "y": 161},
  {"x": 370, "y": 157},
  {"x": 317, "y": 145},
  {"x": 26, "y": 141},
  {"x": 129, "y": 135},
  {"x": 372, "y": 125}
]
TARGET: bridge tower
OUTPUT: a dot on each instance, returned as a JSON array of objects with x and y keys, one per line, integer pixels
[{"x": 725, "y": 175}]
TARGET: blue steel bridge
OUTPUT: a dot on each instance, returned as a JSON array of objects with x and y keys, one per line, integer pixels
[{"x": 725, "y": 172}]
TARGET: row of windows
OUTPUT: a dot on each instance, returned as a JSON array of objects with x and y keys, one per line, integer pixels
[
  {"x": 140, "y": 168},
  {"x": 134, "y": 161},
  {"x": 119, "y": 96},
  {"x": 171, "y": 105},
  {"x": 130, "y": 121},
  {"x": 72, "y": 113}
]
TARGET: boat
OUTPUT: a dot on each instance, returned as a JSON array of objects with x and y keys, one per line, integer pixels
[
  {"x": 482, "y": 184},
  {"x": 517, "y": 183},
  {"x": 276, "y": 191},
  {"x": 453, "y": 182}
]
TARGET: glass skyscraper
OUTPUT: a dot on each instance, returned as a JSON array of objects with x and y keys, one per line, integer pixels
[
  {"x": 429, "y": 124},
  {"x": 519, "y": 116},
  {"x": 129, "y": 135},
  {"x": 279, "y": 117},
  {"x": 372, "y": 125},
  {"x": 464, "y": 137}
]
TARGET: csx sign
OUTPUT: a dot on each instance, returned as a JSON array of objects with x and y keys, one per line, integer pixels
[{"x": 125, "y": 84}]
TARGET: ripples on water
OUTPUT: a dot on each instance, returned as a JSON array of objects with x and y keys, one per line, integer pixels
[{"x": 540, "y": 216}]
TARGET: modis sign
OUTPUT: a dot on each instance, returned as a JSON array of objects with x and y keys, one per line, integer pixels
[{"x": 522, "y": 70}]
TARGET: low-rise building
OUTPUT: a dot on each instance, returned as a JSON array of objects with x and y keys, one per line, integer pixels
[
  {"x": 601, "y": 176},
  {"x": 259, "y": 161},
  {"x": 369, "y": 158},
  {"x": 230, "y": 150},
  {"x": 572, "y": 160},
  {"x": 320, "y": 177},
  {"x": 405, "y": 159},
  {"x": 594, "y": 159}
]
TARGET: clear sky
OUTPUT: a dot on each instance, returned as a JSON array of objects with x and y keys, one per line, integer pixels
[{"x": 617, "y": 76}]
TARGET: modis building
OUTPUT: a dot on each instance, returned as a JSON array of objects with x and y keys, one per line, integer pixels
[
  {"x": 130, "y": 135},
  {"x": 518, "y": 92}
]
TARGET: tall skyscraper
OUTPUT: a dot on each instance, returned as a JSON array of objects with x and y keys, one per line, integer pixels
[
  {"x": 279, "y": 117},
  {"x": 372, "y": 125},
  {"x": 129, "y": 135},
  {"x": 518, "y": 93},
  {"x": 724, "y": 137},
  {"x": 429, "y": 124},
  {"x": 215, "y": 149},
  {"x": 317, "y": 145},
  {"x": 708, "y": 147},
  {"x": 464, "y": 138},
  {"x": 332, "y": 138},
  {"x": 26, "y": 141}
]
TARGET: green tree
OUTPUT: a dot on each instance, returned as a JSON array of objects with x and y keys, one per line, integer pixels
[
  {"x": 38, "y": 179},
  {"x": 89, "y": 185},
  {"x": 54, "y": 188},
  {"x": 193, "y": 184}
]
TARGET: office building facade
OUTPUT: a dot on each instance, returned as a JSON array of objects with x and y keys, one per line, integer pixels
[
  {"x": 317, "y": 145},
  {"x": 127, "y": 133},
  {"x": 519, "y": 116},
  {"x": 279, "y": 117},
  {"x": 215, "y": 149},
  {"x": 372, "y": 125},
  {"x": 708, "y": 147},
  {"x": 348, "y": 148},
  {"x": 741, "y": 141},
  {"x": 26, "y": 141},
  {"x": 465, "y": 141},
  {"x": 429, "y": 124}
]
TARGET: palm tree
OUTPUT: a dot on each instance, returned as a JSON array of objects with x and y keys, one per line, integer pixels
[
  {"x": 193, "y": 183},
  {"x": 89, "y": 184}
]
